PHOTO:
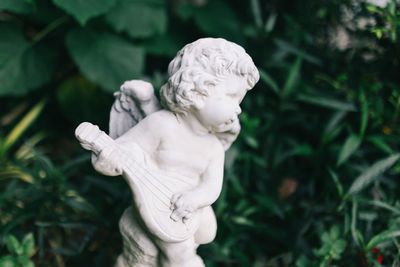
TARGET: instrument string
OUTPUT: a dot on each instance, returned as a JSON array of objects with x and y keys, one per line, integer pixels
[
  {"x": 147, "y": 186},
  {"x": 142, "y": 177}
]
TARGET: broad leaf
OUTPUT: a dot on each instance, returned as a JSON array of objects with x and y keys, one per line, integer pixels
[
  {"x": 351, "y": 144},
  {"x": 164, "y": 45},
  {"x": 138, "y": 18},
  {"x": 17, "y": 6},
  {"x": 75, "y": 97},
  {"x": 83, "y": 10},
  {"x": 24, "y": 66},
  {"x": 218, "y": 19},
  {"x": 28, "y": 243},
  {"x": 13, "y": 245},
  {"x": 104, "y": 58},
  {"x": 186, "y": 11},
  {"x": 8, "y": 261},
  {"x": 372, "y": 173}
]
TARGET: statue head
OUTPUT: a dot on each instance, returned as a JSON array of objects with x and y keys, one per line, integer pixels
[{"x": 199, "y": 67}]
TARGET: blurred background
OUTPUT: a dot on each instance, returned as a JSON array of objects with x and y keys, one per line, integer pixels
[{"x": 313, "y": 179}]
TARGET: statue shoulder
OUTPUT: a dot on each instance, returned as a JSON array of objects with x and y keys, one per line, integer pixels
[{"x": 159, "y": 121}]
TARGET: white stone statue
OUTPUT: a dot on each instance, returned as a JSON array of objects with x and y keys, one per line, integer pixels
[{"x": 173, "y": 157}]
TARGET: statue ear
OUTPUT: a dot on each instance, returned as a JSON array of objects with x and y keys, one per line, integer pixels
[{"x": 198, "y": 99}]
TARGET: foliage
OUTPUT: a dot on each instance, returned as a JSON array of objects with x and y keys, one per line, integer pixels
[
  {"x": 311, "y": 180},
  {"x": 20, "y": 251}
]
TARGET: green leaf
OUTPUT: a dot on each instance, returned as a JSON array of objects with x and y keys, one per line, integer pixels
[
  {"x": 28, "y": 243},
  {"x": 334, "y": 232},
  {"x": 17, "y": 6},
  {"x": 24, "y": 65},
  {"x": 164, "y": 45},
  {"x": 22, "y": 126},
  {"x": 333, "y": 127},
  {"x": 325, "y": 237},
  {"x": 265, "y": 77},
  {"x": 303, "y": 149},
  {"x": 303, "y": 261},
  {"x": 24, "y": 261},
  {"x": 292, "y": 77},
  {"x": 75, "y": 97},
  {"x": 339, "y": 246},
  {"x": 364, "y": 116},
  {"x": 380, "y": 143},
  {"x": 271, "y": 21},
  {"x": 372, "y": 8},
  {"x": 104, "y": 58},
  {"x": 326, "y": 102},
  {"x": 337, "y": 182},
  {"x": 256, "y": 11},
  {"x": 380, "y": 204},
  {"x": 372, "y": 173},
  {"x": 219, "y": 20},
  {"x": 283, "y": 45},
  {"x": 382, "y": 237},
  {"x": 186, "y": 11},
  {"x": 83, "y": 10},
  {"x": 251, "y": 141},
  {"x": 8, "y": 261},
  {"x": 353, "y": 227},
  {"x": 351, "y": 144},
  {"x": 138, "y": 18},
  {"x": 13, "y": 245}
]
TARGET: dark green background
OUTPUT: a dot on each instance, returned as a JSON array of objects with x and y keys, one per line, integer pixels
[{"x": 312, "y": 179}]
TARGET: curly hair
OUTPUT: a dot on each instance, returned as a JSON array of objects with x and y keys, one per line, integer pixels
[{"x": 201, "y": 65}]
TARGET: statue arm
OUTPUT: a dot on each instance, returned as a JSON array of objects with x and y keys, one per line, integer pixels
[
  {"x": 209, "y": 189},
  {"x": 203, "y": 195},
  {"x": 108, "y": 161}
]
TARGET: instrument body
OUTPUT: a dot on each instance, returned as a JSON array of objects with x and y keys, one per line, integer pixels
[{"x": 152, "y": 187}]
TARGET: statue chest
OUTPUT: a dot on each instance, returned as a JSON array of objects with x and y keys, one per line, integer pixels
[{"x": 189, "y": 159}]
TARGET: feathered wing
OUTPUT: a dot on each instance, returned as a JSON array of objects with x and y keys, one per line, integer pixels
[{"x": 134, "y": 101}]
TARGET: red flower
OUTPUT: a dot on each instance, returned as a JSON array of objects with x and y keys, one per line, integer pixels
[
  {"x": 380, "y": 258},
  {"x": 374, "y": 249}
]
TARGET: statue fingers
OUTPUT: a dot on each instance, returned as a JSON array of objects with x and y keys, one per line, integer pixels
[
  {"x": 174, "y": 199},
  {"x": 180, "y": 202},
  {"x": 176, "y": 215},
  {"x": 86, "y": 132}
]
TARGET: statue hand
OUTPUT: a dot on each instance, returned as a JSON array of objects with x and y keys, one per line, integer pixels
[
  {"x": 87, "y": 133},
  {"x": 92, "y": 138},
  {"x": 140, "y": 90},
  {"x": 183, "y": 205}
]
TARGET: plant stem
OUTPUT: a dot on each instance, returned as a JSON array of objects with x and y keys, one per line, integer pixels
[{"x": 52, "y": 26}]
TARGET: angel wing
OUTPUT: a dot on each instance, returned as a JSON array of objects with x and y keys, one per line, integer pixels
[{"x": 134, "y": 101}]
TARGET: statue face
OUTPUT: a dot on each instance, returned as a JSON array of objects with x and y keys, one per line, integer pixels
[{"x": 219, "y": 111}]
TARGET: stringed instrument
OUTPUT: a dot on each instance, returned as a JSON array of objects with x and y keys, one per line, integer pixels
[{"x": 152, "y": 187}]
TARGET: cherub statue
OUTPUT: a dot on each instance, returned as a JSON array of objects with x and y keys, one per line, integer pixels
[{"x": 173, "y": 157}]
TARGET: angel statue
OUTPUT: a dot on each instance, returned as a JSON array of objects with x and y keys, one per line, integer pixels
[{"x": 171, "y": 153}]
